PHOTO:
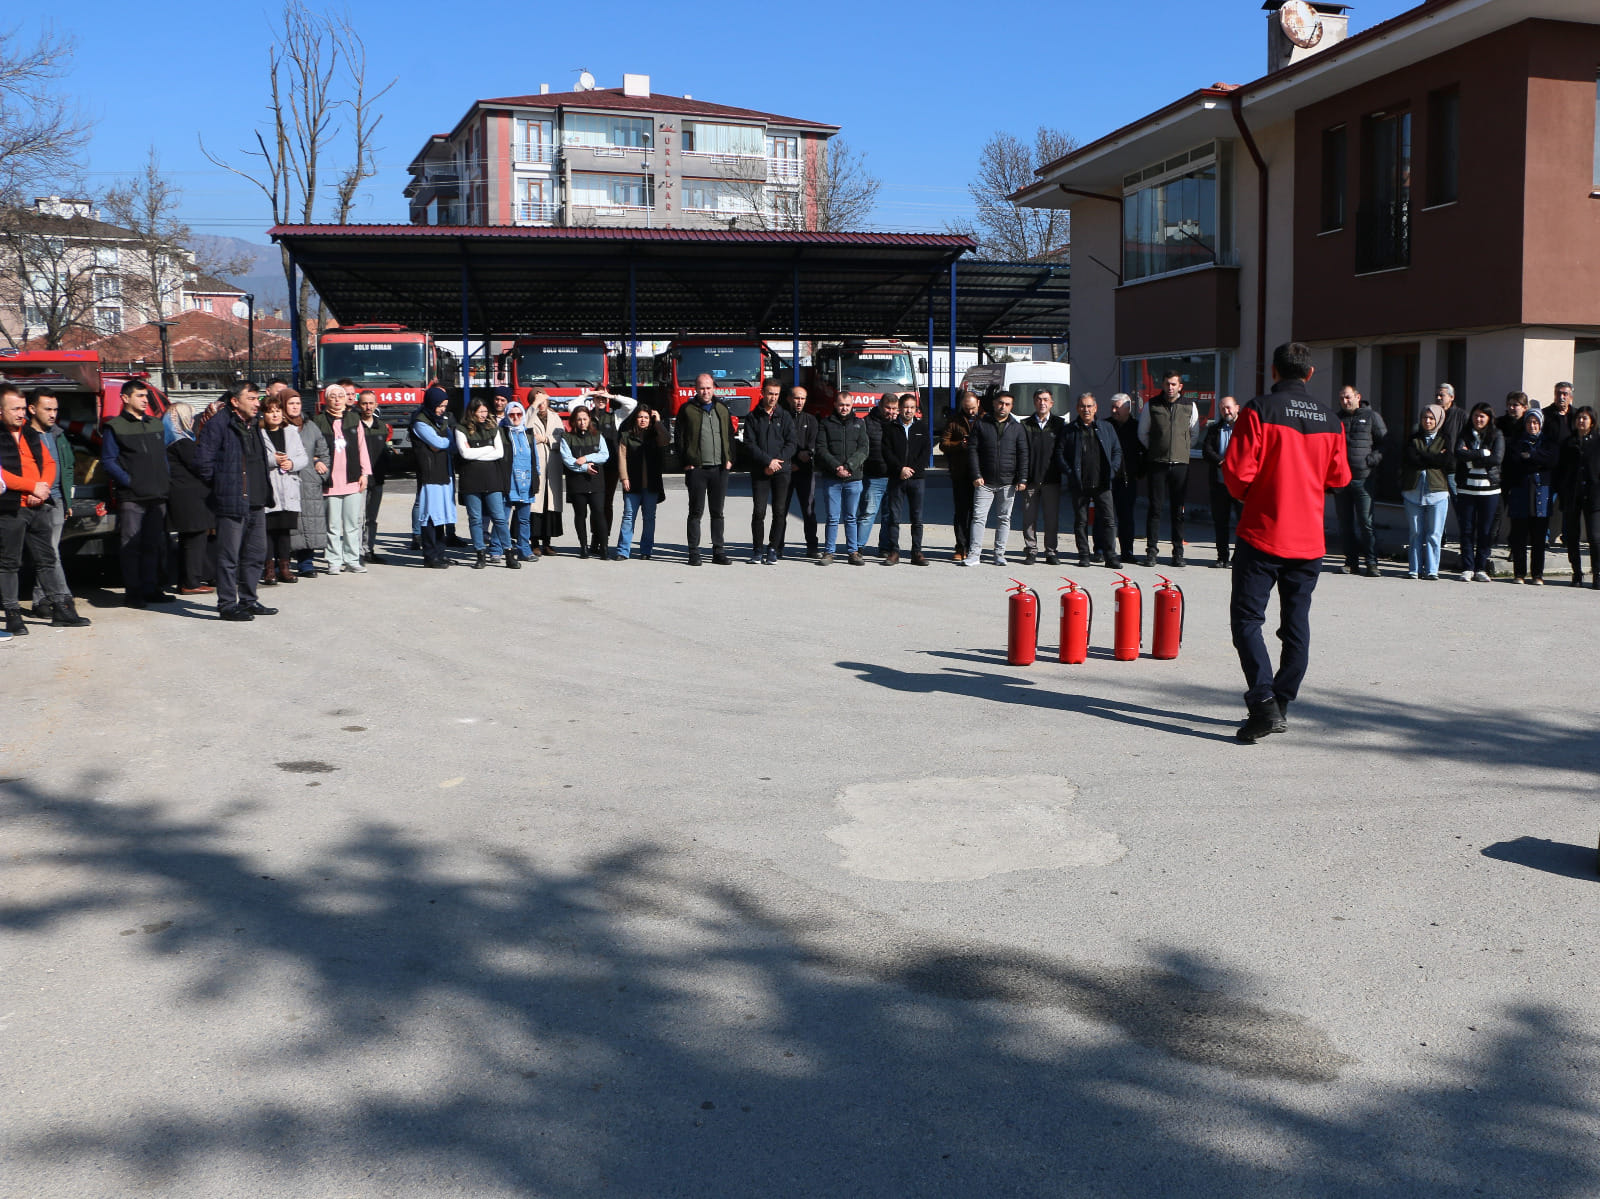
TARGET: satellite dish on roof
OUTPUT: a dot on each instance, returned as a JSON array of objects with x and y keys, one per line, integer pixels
[
  {"x": 240, "y": 309},
  {"x": 1300, "y": 23},
  {"x": 585, "y": 81}
]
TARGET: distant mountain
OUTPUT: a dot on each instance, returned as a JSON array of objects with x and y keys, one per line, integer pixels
[{"x": 264, "y": 276}]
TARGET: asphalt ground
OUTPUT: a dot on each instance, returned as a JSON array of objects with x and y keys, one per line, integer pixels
[{"x": 638, "y": 879}]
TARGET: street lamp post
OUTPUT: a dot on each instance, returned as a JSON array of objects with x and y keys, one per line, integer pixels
[
  {"x": 166, "y": 354},
  {"x": 250, "y": 365}
]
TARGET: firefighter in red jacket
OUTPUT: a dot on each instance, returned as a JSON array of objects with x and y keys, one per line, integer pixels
[{"x": 1286, "y": 452}]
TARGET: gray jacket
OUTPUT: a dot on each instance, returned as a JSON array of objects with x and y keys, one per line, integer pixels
[{"x": 286, "y": 484}]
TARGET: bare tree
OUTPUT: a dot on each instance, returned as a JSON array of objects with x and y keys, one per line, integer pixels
[
  {"x": 311, "y": 65},
  {"x": 839, "y": 194},
  {"x": 1005, "y": 231},
  {"x": 41, "y": 134},
  {"x": 53, "y": 273}
]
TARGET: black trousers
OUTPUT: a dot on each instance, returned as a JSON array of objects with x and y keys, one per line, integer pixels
[
  {"x": 765, "y": 489},
  {"x": 241, "y": 555},
  {"x": 1224, "y": 511},
  {"x": 433, "y": 544},
  {"x": 1583, "y": 527},
  {"x": 141, "y": 544},
  {"x": 803, "y": 486},
  {"x": 1167, "y": 482},
  {"x": 194, "y": 558},
  {"x": 1528, "y": 535},
  {"x": 903, "y": 503},
  {"x": 1255, "y": 576},
  {"x": 1105, "y": 521},
  {"x": 706, "y": 482},
  {"x": 589, "y": 508},
  {"x": 1124, "y": 493},
  {"x": 369, "y": 530},
  {"x": 964, "y": 493},
  {"x": 30, "y": 527}
]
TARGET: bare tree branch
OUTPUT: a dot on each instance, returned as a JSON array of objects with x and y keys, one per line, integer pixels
[
  {"x": 41, "y": 133},
  {"x": 839, "y": 195},
  {"x": 1004, "y": 230}
]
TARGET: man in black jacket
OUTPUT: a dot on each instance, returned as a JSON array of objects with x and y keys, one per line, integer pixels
[
  {"x": 841, "y": 455},
  {"x": 1089, "y": 458},
  {"x": 953, "y": 443},
  {"x": 1214, "y": 448},
  {"x": 705, "y": 447},
  {"x": 875, "y": 474},
  {"x": 803, "y": 479},
  {"x": 769, "y": 444},
  {"x": 906, "y": 449},
  {"x": 1125, "y": 483},
  {"x": 1364, "y": 435},
  {"x": 1557, "y": 428},
  {"x": 231, "y": 456},
  {"x": 1041, "y": 502},
  {"x": 133, "y": 451},
  {"x": 378, "y": 435},
  {"x": 997, "y": 457}
]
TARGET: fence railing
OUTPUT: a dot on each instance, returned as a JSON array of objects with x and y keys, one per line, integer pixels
[{"x": 535, "y": 211}]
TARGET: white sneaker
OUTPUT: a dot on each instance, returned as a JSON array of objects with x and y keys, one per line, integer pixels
[
  {"x": 1482, "y": 577},
  {"x": 1466, "y": 576},
  {"x": 333, "y": 570},
  {"x": 357, "y": 569},
  {"x": 968, "y": 561},
  {"x": 999, "y": 561}
]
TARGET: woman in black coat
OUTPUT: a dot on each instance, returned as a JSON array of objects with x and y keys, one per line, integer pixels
[
  {"x": 188, "y": 512},
  {"x": 1578, "y": 476},
  {"x": 583, "y": 453}
]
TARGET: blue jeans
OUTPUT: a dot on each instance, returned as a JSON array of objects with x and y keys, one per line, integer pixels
[
  {"x": 1425, "y": 516},
  {"x": 494, "y": 505},
  {"x": 867, "y": 508},
  {"x": 519, "y": 521},
  {"x": 843, "y": 498},
  {"x": 632, "y": 502},
  {"x": 1477, "y": 516}
]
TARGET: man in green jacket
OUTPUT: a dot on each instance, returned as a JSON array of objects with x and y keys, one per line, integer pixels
[
  {"x": 705, "y": 447},
  {"x": 51, "y": 596}
]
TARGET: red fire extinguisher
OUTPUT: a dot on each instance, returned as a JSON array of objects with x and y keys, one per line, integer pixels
[
  {"x": 1077, "y": 617},
  {"x": 1129, "y": 599},
  {"x": 1166, "y": 620},
  {"x": 1022, "y": 625}
]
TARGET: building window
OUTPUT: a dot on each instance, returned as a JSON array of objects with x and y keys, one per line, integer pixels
[
  {"x": 597, "y": 130},
  {"x": 1174, "y": 215},
  {"x": 532, "y": 141},
  {"x": 1444, "y": 145},
  {"x": 703, "y": 137},
  {"x": 32, "y": 314},
  {"x": 718, "y": 195},
  {"x": 108, "y": 320},
  {"x": 1383, "y": 223},
  {"x": 1344, "y": 367},
  {"x": 107, "y": 287},
  {"x": 534, "y": 201},
  {"x": 1452, "y": 367},
  {"x": 1586, "y": 367},
  {"x": 105, "y": 256},
  {"x": 783, "y": 160},
  {"x": 1334, "y": 147},
  {"x": 590, "y": 190}
]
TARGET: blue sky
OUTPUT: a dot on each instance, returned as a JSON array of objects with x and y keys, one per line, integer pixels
[{"x": 918, "y": 87}]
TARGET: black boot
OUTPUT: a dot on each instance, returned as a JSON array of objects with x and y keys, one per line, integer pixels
[
  {"x": 66, "y": 615},
  {"x": 14, "y": 624},
  {"x": 512, "y": 560},
  {"x": 480, "y": 560},
  {"x": 1265, "y": 718}
]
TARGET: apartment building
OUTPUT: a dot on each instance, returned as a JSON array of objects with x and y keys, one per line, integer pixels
[
  {"x": 1418, "y": 201},
  {"x": 619, "y": 157}
]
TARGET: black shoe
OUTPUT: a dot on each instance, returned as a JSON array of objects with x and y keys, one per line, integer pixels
[
  {"x": 824, "y": 559},
  {"x": 1265, "y": 719},
  {"x": 1113, "y": 563},
  {"x": 481, "y": 559},
  {"x": 161, "y": 597},
  {"x": 133, "y": 601},
  {"x": 1177, "y": 561},
  {"x": 66, "y": 616},
  {"x": 1150, "y": 558},
  {"x": 513, "y": 561},
  {"x": 1083, "y": 561},
  {"x": 1029, "y": 557},
  {"x": 1372, "y": 570},
  {"x": 257, "y": 608},
  {"x": 14, "y": 624},
  {"x": 1052, "y": 559},
  {"x": 721, "y": 560},
  {"x": 414, "y": 545},
  {"x": 436, "y": 563},
  {"x": 376, "y": 559},
  {"x": 813, "y": 553},
  {"x": 856, "y": 559},
  {"x": 235, "y": 612},
  {"x": 694, "y": 558},
  {"x": 1098, "y": 557}
]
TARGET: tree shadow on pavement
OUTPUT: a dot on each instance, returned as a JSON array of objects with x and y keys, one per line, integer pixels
[
  {"x": 644, "y": 1026},
  {"x": 1553, "y": 857}
]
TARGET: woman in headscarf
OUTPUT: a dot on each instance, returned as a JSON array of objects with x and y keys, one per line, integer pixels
[
  {"x": 643, "y": 442},
  {"x": 1425, "y": 469},
  {"x": 310, "y": 534},
  {"x": 546, "y": 431},
  {"x": 1579, "y": 472},
  {"x": 1480, "y": 450},
  {"x": 481, "y": 453},
  {"x": 583, "y": 453},
  {"x": 1525, "y": 476},
  {"x": 289, "y": 458},
  {"x": 187, "y": 506},
  {"x": 432, "y": 436},
  {"x": 522, "y": 481}
]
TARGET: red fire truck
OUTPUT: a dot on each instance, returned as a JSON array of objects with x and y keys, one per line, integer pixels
[
  {"x": 567, "y": 366},
  {"x": 88, "y": 397},
  {"x": 738, "y": 364},
  {"x": 397, "y": 363},
  {"x": 863, "y": 368}
]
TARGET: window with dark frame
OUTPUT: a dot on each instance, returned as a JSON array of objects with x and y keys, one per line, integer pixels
[
  {"x": 1345, "y": 359},
  {"x": 1383, "y": 220},
  {"x": 1597, "y": 133},
  {"x": 1334, "y": 156},
  {"x": 1444, "y": 146}
]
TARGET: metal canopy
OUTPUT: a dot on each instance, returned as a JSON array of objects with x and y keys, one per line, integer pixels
[{"x": 521, "y": 280}]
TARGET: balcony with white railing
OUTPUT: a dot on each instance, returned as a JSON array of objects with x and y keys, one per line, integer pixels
[
  {"x": 783, "y": 170},
  {"x": 535, "y": 152},
  {"x": 535, "y": 212}
]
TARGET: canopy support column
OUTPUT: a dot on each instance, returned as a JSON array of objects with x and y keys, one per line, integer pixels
[
  {"x": 952, "y": 336},
  {"x": 466, "y": 337},
  {"x": 794, "y": 361},
  {"x": 294, "y": 325},
  {"x": 929, "y": 405},
  {"x": 633, "y": 335}
]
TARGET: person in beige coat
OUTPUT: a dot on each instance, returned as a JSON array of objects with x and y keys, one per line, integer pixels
[{"x": 545, "y": 431}]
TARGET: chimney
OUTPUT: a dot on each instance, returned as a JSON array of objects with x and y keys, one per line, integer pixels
[
  {"x": 544, "y": 89},
  {"x": 1297, "y": 29},
  {"x": 637, "y": 86}
]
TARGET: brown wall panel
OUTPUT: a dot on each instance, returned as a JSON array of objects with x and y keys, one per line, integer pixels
[{"x": 1194, "y": 311}]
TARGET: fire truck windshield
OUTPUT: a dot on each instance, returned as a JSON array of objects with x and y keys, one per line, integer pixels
[
  {"x": 560, "y": 366},
  {"x": 730, "y": 366},
  {"x": 374, "y": 363},
  {"x": 889, "y": 370}
]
